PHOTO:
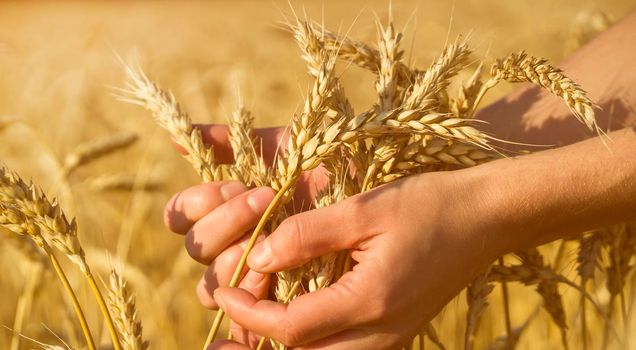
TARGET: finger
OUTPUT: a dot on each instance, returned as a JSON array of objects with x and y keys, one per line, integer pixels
[
  {"x": 219, "y": 274},
  {"x": 209, "y": 236},
  {"x": 188, "y": 206},
  {"x": 227, "y": 345},
  {"x": 308, "y": 317},
  {"x": 267, "y": 140},
  {"x": 310, "y": 234}
]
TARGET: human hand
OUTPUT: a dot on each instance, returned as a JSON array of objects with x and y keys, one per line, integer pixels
[
  {"x": 417, "y": 242},
  {"x": 215, "y": 217}
]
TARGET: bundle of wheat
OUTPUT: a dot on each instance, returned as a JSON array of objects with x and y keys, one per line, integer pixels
[{"x": 417, "y": 125}]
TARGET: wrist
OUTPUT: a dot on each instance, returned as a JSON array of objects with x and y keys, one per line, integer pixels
[{"x": 486, "y": 202}]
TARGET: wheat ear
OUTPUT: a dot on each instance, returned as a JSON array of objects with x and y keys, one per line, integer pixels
[
  {"x": 13, "y": 218},
  {"x": 169, "y": 115},
  {"x": 52, "y": 228},
  {"x": 92, "y": 150},
  {"x": 123, "y": 305},
  {"x": 477, "y": 298},
  {"x": 521, "y": 67}
]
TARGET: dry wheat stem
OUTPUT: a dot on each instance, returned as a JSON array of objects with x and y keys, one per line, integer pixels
[{"x": 248, "y": 248}]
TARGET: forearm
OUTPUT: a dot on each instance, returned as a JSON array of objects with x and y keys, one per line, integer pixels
[
  {"x": 530, "y": 200},
  {"x": 604, "y": 68}
]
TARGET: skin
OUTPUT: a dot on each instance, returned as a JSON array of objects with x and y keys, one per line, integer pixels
[{"x": 424, "y": 237}]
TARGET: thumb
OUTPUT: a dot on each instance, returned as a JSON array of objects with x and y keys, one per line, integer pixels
[{"x": 310, "y": 234}]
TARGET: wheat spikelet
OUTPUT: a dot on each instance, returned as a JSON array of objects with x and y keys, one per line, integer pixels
[
  {"x": 168, "y": 114},
  {"x": 521, "y": 67},
  {"x": 422, "y": 95},
  {"x": 125, "y": 314},
  {"x": 477, "y": 298},
  {"x": 548, "y": 289},
  {"x": 361, "y": 54},
  {"x": 588, "y": 255},
  {"x": 248, "y": 167},
  {"x": 465, "y": 101},
  {"x": 621, "y": 250},
  {"x": 95, "y": 149},
  {"x": 390, "y": 55}
]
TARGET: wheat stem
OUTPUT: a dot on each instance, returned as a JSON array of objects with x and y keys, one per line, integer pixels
[
  {"x": 69, "y": 290},
  {"x": 250, "y": 245},
  {"x": 104, "y": 309}
]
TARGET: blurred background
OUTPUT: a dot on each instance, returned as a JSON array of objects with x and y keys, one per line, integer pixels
[{"x": 58, "y": 68}]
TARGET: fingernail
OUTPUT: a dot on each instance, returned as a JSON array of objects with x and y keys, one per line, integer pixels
[
  {"x": 255, "y": 200},
  {"x": 261, "y": 256},
  {"x": 252, "y": 279},
  {"x": 232, "y": 189},
  {"x": 219, "y": 300}
]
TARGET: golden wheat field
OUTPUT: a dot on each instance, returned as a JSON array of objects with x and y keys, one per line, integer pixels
[{"x": 64, "y": 126}]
